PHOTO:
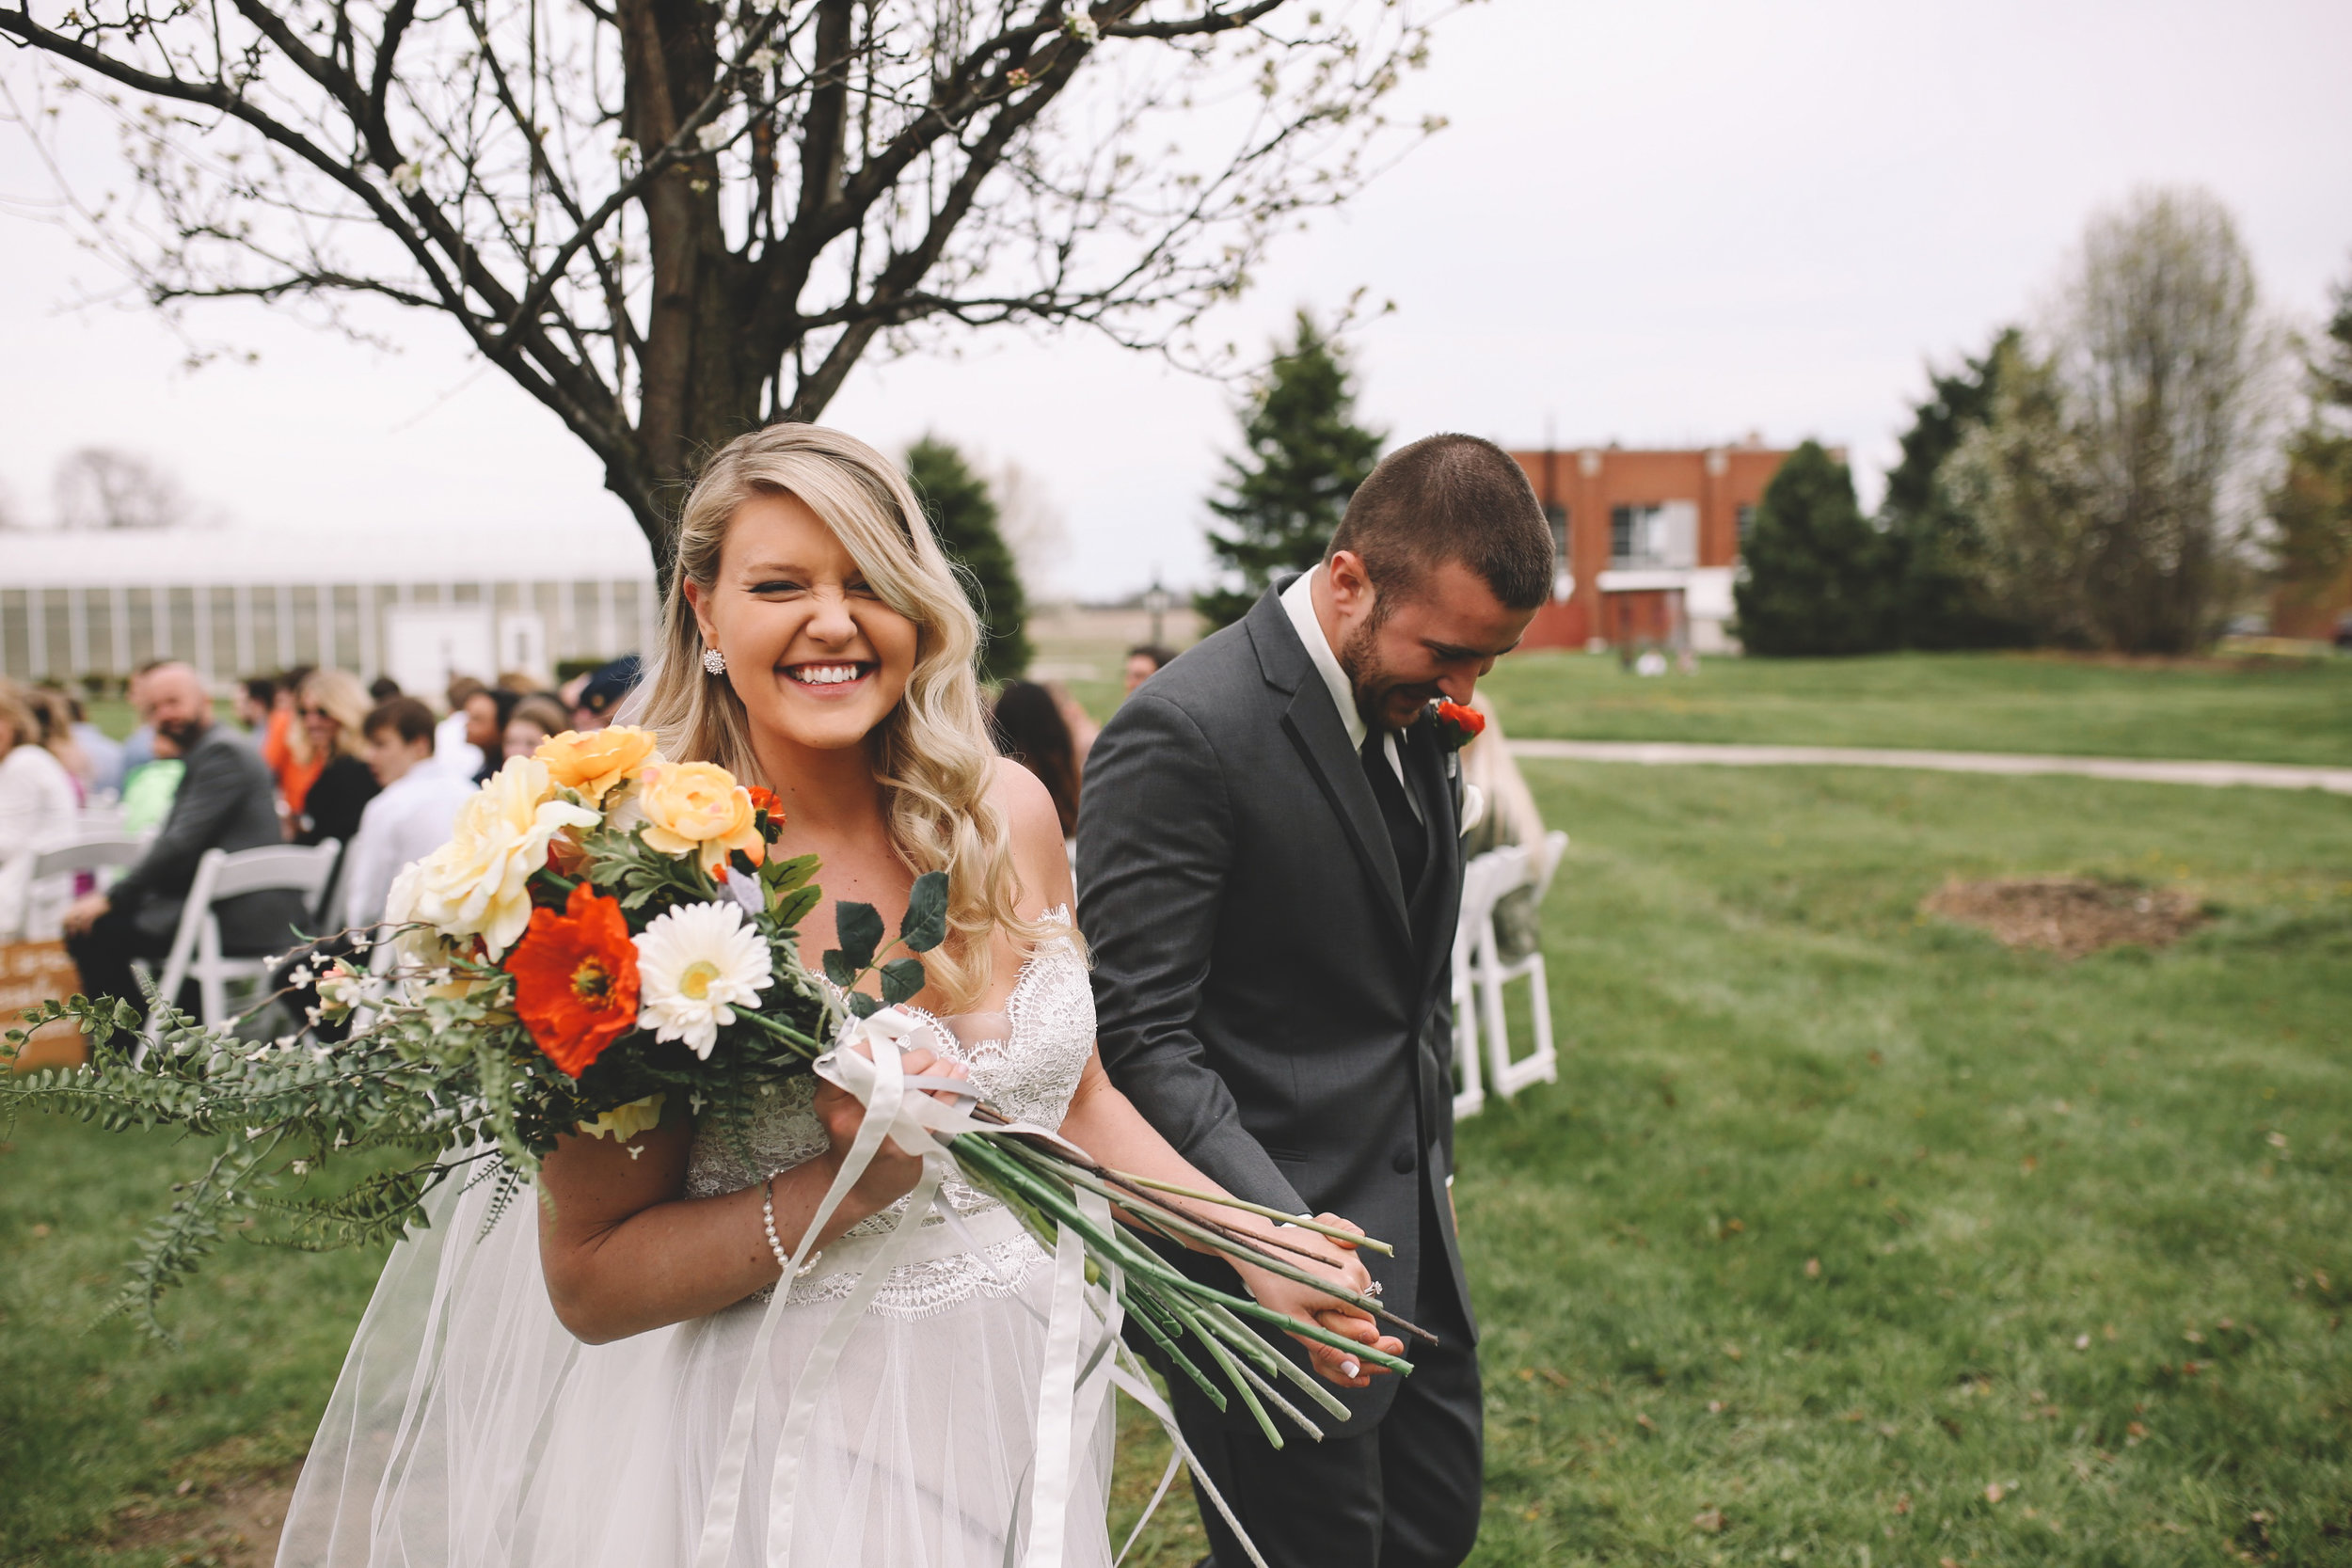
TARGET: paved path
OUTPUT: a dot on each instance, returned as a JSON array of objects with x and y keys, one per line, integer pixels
[{"x": 2261, "y": 775}]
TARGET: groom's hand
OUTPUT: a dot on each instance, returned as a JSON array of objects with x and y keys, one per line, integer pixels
[{"x": 1337, "y": 1256}]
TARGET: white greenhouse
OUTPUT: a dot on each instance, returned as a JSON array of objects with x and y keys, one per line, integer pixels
[{"x": 419, "y": 605}]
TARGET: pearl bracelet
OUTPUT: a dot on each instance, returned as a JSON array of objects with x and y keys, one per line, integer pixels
[{"x": 768, "y": 1223}]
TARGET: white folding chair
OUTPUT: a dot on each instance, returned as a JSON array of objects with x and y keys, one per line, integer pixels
[
  {"x": 1485, "y": 879},
  {"x": 195, "y": 946},
  {"x": 90, "y": 851},
  {"x": 1537, "y": 863}
]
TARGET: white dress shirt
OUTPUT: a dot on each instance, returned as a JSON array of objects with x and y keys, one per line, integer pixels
[
  {"x": 412, "y": 817},
  {"x": 1298, "y": 603},
  {"x": 451, "y": 752}
]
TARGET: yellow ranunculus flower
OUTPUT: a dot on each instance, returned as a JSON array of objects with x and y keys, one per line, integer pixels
[
  {"x": 478, "y": 883},
  {"x": 624, "y": 1122},
  {"x": 696, "y": 808},
  {"x": 593, "y": 762}
]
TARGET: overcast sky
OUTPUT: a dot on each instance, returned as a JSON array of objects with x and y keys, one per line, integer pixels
[{"x": 1660, "y": 223}]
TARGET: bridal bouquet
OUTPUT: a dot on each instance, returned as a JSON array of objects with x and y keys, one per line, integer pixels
[{"x": 608, "y": 933}]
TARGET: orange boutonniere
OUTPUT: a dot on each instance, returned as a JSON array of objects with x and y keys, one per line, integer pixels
[
  {"x": 1458, "y": 725},
  {"x": 576, "y": 979}
]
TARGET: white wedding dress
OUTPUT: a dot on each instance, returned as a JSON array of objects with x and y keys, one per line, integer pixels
[{"x": 469, "y": 1430}]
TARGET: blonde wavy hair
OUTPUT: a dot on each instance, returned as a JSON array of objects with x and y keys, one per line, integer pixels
[
  {"x": 339, "y": 694},
  {"x": 932, "y": 754}
]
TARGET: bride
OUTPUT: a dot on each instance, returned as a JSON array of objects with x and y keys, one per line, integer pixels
[{"x": 563, "y": 1397}]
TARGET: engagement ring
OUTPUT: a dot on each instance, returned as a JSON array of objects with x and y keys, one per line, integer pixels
[{"x": 1372, "y": 1289}]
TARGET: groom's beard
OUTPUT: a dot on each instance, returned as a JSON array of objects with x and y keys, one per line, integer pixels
[{"x": 1383, "y": 701}]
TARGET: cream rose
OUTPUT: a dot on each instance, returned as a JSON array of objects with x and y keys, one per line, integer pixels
[
  {"x": 593, "y": 762},
  {"x": 478, "y": 883},
  {"x": 696, "y": 808}
]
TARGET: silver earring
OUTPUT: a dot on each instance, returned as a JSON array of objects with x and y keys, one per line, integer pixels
[{"x": 714, "y": 661}]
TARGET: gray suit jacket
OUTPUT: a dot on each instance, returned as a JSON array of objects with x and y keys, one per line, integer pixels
[
  {"x": 225, "y": 800},
  {"x": 1259, "y": 989}
]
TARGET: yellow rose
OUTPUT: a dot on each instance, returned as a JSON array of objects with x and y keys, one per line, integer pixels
[
  {"x": 478, "y": 883},
  {"x": 624, "y": 1122},
  {"x": 696, "y": 808},
  {"x": 595, "y": 761}
]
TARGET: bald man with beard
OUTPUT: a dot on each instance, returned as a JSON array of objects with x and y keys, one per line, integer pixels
[{"x": 226, "y": 801}]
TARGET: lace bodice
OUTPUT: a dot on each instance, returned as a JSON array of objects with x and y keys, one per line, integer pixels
[{"x": 1029, "y": 1075}]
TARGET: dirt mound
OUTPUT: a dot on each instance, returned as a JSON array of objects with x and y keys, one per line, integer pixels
[{"x": 2069, "y": 915}]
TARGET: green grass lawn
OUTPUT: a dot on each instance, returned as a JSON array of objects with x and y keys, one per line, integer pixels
[
  {"x": 2244, "y": 712},
  {"x": 1771, "y": 1062}
]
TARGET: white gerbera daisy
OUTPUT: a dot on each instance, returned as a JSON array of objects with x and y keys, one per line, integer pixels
[{"x": 695, "y": 965}]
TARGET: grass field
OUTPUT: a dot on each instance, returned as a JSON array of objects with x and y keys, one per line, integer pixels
[
  {"x": 1849, "y": 1231},
  {"x": 2246, "y": 712}
]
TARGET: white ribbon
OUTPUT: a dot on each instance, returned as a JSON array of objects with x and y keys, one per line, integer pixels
[{"x": 1084, "y": 1357}]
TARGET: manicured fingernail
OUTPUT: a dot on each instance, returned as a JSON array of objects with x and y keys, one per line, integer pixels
[{"x": 1350, "y": 1368}]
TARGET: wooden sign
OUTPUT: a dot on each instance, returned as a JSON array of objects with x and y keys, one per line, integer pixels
[{"x": 32, "y": 973}]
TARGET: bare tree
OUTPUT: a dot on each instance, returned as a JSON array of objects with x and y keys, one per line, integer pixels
[
  {"x": 672, "y": 220},
  {"x": 1033, "y": 526},
  {"x": 2166, "y": 366},
  {"x": 100, "y": 487}
]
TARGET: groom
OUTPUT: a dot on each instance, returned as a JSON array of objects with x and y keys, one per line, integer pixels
[{"x": 1269, "y": 870}]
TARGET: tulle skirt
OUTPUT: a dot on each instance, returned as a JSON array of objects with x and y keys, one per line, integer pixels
[{"x": 469, "y": 1430}]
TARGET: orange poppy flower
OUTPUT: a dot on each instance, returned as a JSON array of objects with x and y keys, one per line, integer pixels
[
  {"x": 764, "y": 798},
  {"x": 576, "y": 978}
]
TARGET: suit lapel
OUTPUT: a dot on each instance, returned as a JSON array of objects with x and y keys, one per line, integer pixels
[
  {"x": 1315, "y": 729},
  {"x": 1322, "y": 742}
]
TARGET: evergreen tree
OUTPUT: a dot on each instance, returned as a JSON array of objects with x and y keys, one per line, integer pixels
[
  {"x": 1936, "y": 546},
  {"x": 1817, "y": 578},
  {"x": 963, "y": 514},
  {"x": 2312, "y": 507},
  {"x": 1303, "y": 456}
]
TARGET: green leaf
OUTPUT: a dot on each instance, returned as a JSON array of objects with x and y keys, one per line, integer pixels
[
  {"x": 839, "y": 969},
  {"x": 784, "y": 876},
  {"x": 901, "y": 980},
  {"x": 796, "y": 905},
  {"x": 863, "y": 1004},
  {"x": 925, "y": 924},
  {"x": 859, "y": 929}
]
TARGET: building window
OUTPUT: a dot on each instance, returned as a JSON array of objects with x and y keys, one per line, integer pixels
[
  {"x": 1635, "y": 538},
  {"x": 1557, "y": 517},
  {"x": 1746, "y": 517}
]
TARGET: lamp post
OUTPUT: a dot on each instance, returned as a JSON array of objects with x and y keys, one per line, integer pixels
[{"x": 1157, "y": 599}]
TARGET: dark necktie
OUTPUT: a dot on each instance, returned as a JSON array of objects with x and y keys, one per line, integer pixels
[{"x": 1406, "y": 835}]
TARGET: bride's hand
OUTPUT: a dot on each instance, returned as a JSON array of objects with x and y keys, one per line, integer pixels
[
  {"x": 1311, "y": 1306},
  {"x": 893, "y": 1172}
]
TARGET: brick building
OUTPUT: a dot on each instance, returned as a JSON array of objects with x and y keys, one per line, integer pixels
[{"x": 1648, "y": 542}]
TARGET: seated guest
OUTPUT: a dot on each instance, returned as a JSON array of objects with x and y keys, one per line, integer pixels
[
  {"x": 452, "y": 750},
  {"x": 255, "y": 707},
  {"x": 54, "y": 713},
  {"x": 138, "y": 747},
  {"x": 486, "y": 712},
  {"x": 412, "y": 817},
  {"x": 37, "y": 807},
  {"x": 1507, "y": 815},
  {"x": 601, "y": 696},
  {"x": 293, "y": 760},
  {"x": 535, "y": 718},
  {"x": 102, "y": 752},
  {"x": 332, "y": 708},
  {"x": 382, "y": 689},
  {"x": 224, "y": 802},
  {"x": 148, "y": 789},
  {"x": 1030, "y": 729},
  {"x": 1144, "y": 661}
]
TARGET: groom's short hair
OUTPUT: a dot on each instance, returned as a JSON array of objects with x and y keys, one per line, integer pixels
[{"x": 1448, "y": 498}]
